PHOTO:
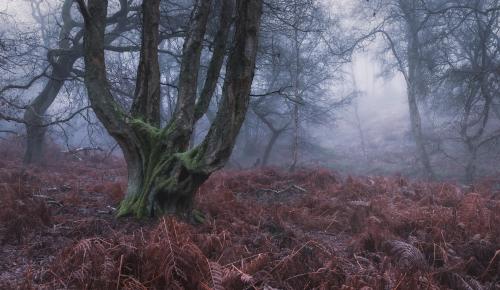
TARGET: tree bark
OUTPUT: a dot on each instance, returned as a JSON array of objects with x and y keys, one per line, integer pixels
[
  {"x": 217, "y": 60},
  {"x": 298, "y": 98},
  {"x": 416, "y": 125},
  {"x": 295, "y": 145},
  {"x": 147, "y": 98},
  {"x": 35, "y": 113},
  {"x": 163, "y": 173}
]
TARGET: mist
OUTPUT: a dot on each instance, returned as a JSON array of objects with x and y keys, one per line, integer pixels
[
  {"x": 369, "y": 134},
  {"x": 249, "y": 144}
]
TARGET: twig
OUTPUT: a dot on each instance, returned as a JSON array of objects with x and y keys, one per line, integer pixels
[
  {"x": 50, "y": 200},
  {"x": 293, "y": 186},
  {"x": 489, "y": 265},
  {"x": 400, "y": 281},
  {"x": 119, "y": 273}
]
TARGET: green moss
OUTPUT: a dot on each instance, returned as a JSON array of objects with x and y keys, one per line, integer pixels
[
  {"x": 133, "y": 206},
  {"x": 169, "y": 129},
  {"x": 117, "y": 110},
  {"x": 198, "y": 216},
  {"x": 146, "y": 128},
  {"x": 156, "y": 179},
  {"x": 158, "y": 163},
  {"x": 190, "y": 159}
]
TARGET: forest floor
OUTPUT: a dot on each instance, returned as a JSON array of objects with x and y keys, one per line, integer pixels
[{"x": 262, "y": 229}]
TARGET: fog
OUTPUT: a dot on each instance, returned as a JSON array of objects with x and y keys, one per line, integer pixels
[
  {"x": 250, "y": 144},
  {"x": 381, "y": 104},
  {"x": 368, "y": 129}
]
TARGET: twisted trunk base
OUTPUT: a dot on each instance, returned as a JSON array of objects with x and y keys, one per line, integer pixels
[{"x": 161, "y": 182}]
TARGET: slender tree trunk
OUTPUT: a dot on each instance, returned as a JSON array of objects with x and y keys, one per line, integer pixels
[
  {"x": 359, "y": 126},
  {"x": 295, "y": 146},
  {"x": 416, "y": 125},
  {"x": 470, "y": 168},
  {"x": 296, "y": 84},
  {"x": 415, "y": 87},
  {"x": 361, "y": 133},
  {"x": 270, "y": 145}
]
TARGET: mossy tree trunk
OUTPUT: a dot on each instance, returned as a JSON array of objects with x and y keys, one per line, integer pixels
[
  {"x": 163, "y": 173},
  {"x": 160, "y": 181}
]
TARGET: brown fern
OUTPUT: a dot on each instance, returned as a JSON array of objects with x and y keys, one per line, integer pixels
[
  {"x": 216, "y": 275},
  {"x": 172, "y": 254},
  {"x": 256, "y": 264},
  {"x": 457, "y": 282},
  {"x": 406, "y": 256}
]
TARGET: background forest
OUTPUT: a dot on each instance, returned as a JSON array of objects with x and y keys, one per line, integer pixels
[{"x": 370, "y": 87}]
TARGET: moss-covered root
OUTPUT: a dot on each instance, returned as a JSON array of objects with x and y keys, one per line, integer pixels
[
  {"x": 136, "y": 206},
  {"x": 172, "y": 199},
  {"x": 168, "y": 185}
]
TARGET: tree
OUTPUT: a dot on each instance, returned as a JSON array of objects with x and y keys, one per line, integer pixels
[
  {"x": 469, "y": 78},
  {"x": 163, "y": 174},
  {"x": 56, "y": 70},
  {"x": 62, "y": 65},
  {"x": 408, "y": 30},
  {"x": 296, "y": 68},
  {"x": 58, "y": 60}
]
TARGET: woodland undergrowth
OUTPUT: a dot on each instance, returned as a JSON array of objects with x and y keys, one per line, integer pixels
[{"x": 262, "y": 229}]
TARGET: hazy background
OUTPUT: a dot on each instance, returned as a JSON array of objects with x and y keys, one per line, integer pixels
[
  {"x": 381, "y": 102},
  {"x": 377, "y": 116}
]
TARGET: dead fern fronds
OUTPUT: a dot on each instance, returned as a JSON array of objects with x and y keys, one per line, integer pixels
[
  {"x": 457, "y": 282},
  {"x": 231, "y": 278},
  {"x": 172, "y": 255},
  {"x": 216, "y": 275},
  {"x": 406, "y": 256},
  {"x": 256, "y": 264}
]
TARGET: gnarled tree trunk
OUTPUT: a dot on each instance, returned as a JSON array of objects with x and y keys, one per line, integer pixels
[{"x": 163, "y": 173}]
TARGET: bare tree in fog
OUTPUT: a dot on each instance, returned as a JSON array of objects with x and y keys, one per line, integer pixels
[
  {"x": 3, "y": 45},
  {"x": 470, "y": 77},
  {"x": 408, "y": 30},
  {"x": 296, "y": 69},
  {"x": 59, "y": 69},
  {"x": 61, "y": 66},
  {"x": 20, "y": 67}
]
